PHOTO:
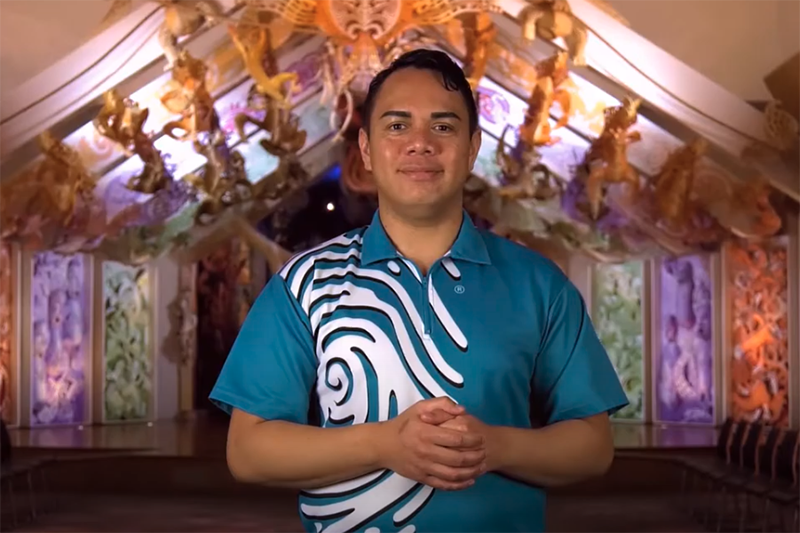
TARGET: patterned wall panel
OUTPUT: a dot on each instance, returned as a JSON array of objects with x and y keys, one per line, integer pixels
[
  {"x": 684, "y": 353},
  {"x": 223, "y": 300},
  {"x": 8, "y": 363},
  {"x": 617, "y": 316},
  {"x": 61, "y": 347},
  {"x": 758, "y": 370},
  {"x": 127, "y": 361}
]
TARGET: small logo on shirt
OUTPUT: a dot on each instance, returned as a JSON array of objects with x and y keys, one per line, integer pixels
[{"x": 459, "y": 289}]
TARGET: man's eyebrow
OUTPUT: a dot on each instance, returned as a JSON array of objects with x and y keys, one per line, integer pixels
[
  {"x": 394, "y": 113},
  {"x": 445, "y": 114},
  {"x": 406, "y": 114}
]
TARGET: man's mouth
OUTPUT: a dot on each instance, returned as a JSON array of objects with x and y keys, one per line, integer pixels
[{"x": 420, "y": 173}]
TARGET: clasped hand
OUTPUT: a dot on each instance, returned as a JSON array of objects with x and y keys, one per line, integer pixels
[{"x": 436, "y": 443}]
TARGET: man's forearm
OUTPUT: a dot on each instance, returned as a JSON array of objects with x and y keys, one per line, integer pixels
[
  {"x": 559, "y": 454},
  {"x": 296, "y": 456}
]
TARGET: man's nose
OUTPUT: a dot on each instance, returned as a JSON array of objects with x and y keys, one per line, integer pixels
[{"x": 420, "y": 143}]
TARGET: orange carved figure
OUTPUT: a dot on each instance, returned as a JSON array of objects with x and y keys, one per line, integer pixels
[
  {"x": 759, "y": 367},
  {"x": 607, "y": 157},
  {"x": 550, "y": 74},
  {"x": 364, "y": 36}
]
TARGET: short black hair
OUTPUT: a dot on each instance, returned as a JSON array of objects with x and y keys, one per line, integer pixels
[{"x": 453, "y": 79}]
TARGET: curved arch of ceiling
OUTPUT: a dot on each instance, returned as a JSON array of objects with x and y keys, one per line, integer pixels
[
  {"x": 721, "y": 47},
  {"x": 559, "y": 158},
  {"x": 626, "y": 40}
]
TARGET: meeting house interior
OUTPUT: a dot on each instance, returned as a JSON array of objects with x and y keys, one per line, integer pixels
[{"x": 160, "y": 160}]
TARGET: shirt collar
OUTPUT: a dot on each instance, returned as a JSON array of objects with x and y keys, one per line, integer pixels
[{"x": 469, "y": 244}]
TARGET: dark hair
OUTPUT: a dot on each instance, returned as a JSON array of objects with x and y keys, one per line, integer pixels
[{"x": 453, "y": 79}]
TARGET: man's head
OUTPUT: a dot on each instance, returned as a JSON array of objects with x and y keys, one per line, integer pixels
[{"x": 420, "y": 136}]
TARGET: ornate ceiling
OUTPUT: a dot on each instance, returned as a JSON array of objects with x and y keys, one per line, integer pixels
[
  {"x": 696, "y": 34},
  {"x": 159, "y": 148}
]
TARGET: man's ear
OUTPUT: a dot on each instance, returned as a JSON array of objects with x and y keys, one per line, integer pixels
[
  {"x": 363, "y": 145},
  {"x": 474, "y": 148}
]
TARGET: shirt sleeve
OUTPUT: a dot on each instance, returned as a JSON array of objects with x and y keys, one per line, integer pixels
[
  {"x": 573, "y": 376},
  {"x": 271, "y": 368}
]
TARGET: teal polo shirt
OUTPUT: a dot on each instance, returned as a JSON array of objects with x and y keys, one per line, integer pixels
[{"x": 354, "y": 329}]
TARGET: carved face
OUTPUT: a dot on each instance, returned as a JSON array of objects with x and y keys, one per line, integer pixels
[{"x": 419, "y": 148}]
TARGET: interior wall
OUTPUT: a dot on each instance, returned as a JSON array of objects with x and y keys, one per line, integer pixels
[
  {"x": 734, "y": 42},
  {"x": 163, "y": 274}
]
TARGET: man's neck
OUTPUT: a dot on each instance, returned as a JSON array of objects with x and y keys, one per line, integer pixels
[{"x": 422, "y": 241}]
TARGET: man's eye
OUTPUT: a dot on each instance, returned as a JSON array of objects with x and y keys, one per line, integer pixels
[
  {"x": 396, "y": 126},
  {"x": 443, "y": 127}
]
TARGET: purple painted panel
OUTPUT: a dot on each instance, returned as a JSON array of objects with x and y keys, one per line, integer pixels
[
  {"x": 60, "y": 339},
  {"x": 684, "y": 361}
]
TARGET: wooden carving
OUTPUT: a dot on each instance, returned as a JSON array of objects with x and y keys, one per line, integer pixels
[
  {"x": 222, "y": 183},
  {"x": 551, "y": 19},
  {"x": 53, "y": 194},
  {"x": 759, "y": 305},
  {"x": 524, "y": 175},
  {"x": 121, "y": 120},
  {"x": 182, "y": 18},
  {"x": 607, "y": 157},
  {"x": 192, "y": 100},
  {"x": 674, "y": 184},
  {"x": 364, "y": 36},
  {"x": 479, "y": 34},
  {"x": 550, "y": 74},
  {"x": 254, "y": 45},
  {"x": 7, "y": 334}
]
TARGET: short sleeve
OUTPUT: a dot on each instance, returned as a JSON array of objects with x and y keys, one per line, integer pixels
[
  {"x": 573, "y": 376},
  {"x": 271, "y": 368}
]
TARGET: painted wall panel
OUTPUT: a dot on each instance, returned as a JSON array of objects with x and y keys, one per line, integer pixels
[
  {"x": 61, "y": 346},
  {"x": 127, "y": 360},
  {"x": 684, "y": 353},
  {"x": 617, "y": 317}
]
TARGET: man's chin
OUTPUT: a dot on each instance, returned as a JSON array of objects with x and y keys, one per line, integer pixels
[{"x": 426, "y": 208}]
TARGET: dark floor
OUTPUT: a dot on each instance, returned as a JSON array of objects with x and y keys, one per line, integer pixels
[
  {"x": 90, "y": 513},
  {"x": 205, "y": 436},
  {"x": 651, "y": 513}
]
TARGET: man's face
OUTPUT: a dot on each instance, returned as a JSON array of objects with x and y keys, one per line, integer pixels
[{"x": 419, "y": 147}]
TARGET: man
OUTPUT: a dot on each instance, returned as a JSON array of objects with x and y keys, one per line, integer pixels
[{"x": 425, "y": 341}]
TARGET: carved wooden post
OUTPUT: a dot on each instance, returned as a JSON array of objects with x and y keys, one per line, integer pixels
[{"x": 188, "y": 336}]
